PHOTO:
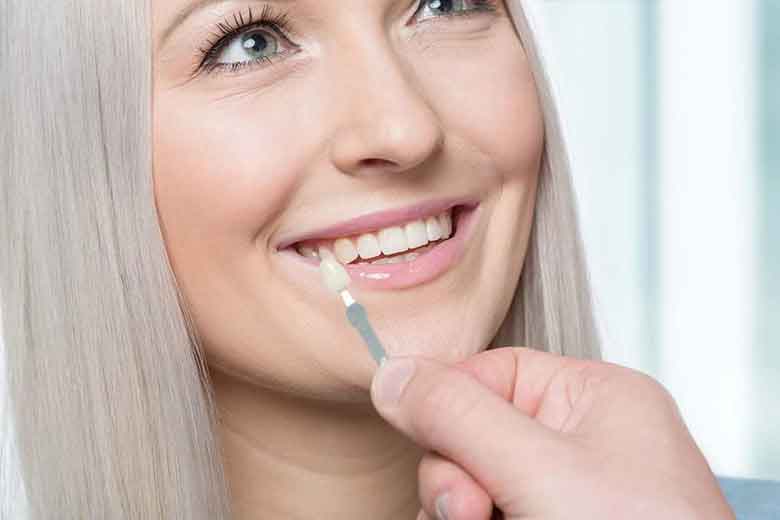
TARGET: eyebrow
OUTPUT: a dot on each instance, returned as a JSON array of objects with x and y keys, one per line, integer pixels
[
  {"x": 190, "y": 9},
  {"x": 183, "y": 14}
]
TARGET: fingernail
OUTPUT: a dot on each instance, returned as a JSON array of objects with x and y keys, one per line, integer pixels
[
  {"x": 391, "y": 378},
  {"x": 441, "y": 506}
]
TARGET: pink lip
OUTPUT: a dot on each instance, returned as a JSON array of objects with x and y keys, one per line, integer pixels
[
  {"x": 424, "y": 268},
  {"x": 378, "y": 220}
]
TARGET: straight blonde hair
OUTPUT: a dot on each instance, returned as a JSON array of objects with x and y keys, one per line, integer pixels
[{"x": 110, "y": 406}]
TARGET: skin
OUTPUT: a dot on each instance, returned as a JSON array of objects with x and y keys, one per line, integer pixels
[
  {"x": 380, "y": 109},
  {"x": 568, "y": 438}
]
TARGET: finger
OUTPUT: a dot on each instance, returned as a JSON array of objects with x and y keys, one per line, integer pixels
[
  {"x": 540, "y": 384},
  {"x": 445, "y": 486},
  {"x": 520, "y": 375},
  {"x": 446, "y": 409}
]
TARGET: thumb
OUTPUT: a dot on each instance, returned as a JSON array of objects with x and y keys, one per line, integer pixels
[{"x": 448, "y": 410}]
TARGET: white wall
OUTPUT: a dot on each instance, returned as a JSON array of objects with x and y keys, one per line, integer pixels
[{"x": 659, "y": 107}]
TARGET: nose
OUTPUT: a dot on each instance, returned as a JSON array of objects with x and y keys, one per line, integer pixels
[{"x": 385, "y": 123}]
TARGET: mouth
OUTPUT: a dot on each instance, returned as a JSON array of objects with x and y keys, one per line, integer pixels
[{"x": 402, "y": 255}]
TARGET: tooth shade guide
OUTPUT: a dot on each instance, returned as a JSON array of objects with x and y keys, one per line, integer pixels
[
  {"x": 346, "y": 298},
  {"x": 333, "y": 273}
]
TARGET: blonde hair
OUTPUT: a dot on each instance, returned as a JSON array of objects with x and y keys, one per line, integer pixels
[{"x": 111, "y": 407}]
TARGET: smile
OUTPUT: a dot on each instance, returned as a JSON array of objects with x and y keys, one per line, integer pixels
[
  {"x": 390, "y": 245},
  {"x": 399, "y": 256}
]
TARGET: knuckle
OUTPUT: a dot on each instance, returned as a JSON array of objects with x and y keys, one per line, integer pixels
[
  {"x": 650, "y": 390},
  {"x": 665, "y": 397},
  {"x": 582, "y": 378}
]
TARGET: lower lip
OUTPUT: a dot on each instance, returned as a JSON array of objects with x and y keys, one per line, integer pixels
[{"x": 422, "y": 269}]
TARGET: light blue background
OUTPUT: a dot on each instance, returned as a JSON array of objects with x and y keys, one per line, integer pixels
[{"x": 672, "y": 116}]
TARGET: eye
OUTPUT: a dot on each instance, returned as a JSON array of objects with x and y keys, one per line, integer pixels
[
  {"x": 446, "y": 8},
  {"x": 253, "y": 45},
  {"x": 245, "y": 42},
  {"x": 244, "y": 35}
]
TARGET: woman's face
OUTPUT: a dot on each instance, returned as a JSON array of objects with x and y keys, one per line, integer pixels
[{"x": 342, "y": 109}]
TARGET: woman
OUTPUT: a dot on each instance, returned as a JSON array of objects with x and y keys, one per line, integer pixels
[{"x": 169, "y": 166}]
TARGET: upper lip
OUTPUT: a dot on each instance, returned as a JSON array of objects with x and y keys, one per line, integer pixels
[{"x": 378, "y": 220}]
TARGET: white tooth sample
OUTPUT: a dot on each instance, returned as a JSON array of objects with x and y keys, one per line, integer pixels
[
  {"x": 307, "y": 251},
  {"x": 392, "y": 240},
  {"x": 324, "y": 253},
  {"x": 411, "y": 256},
  {"x": 368, "y": 246},
  {"x": 416, "y": 234},
  {"x": 345, "y": 250},
  {"x": 445, "y": 221},
  {"x": 333, "y": 274},
  {"x": 433, "y": 228}
]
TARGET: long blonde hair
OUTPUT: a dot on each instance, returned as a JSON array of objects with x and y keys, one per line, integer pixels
[{"x": 110, "y": 406}]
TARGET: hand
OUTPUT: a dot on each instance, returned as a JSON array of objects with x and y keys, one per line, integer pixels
[{"x": 544, "y": 436}]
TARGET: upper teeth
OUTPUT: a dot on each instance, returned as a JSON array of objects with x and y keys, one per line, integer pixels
[{"x": 390, "y": 240}]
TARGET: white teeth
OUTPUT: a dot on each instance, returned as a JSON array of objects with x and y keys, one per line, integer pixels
[
  {"x": 324, "y": 252},
  {"x": 433, "y": 228},
  {"x": 392, "y": 240},
  {"x": 368, "y": 246},
  {"x": 394, "y": 260},
  {"x": 307, "y": 251},
  {"x": 445, "y": 220},
  {"x": 345, "y": 250},
  {"x": 416, "y": 235},
  {"x": 408, "y": 257}
]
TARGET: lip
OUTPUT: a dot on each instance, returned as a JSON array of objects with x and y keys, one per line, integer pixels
[
  {"x": 422, "y": 269},
  {"x": 378, "y": 220}
]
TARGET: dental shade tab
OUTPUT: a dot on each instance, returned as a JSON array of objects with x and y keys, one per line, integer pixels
[{"x": 337, "y": 280}]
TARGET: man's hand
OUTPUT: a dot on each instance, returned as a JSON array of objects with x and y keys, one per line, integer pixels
[{"x": 544, "y": 436}]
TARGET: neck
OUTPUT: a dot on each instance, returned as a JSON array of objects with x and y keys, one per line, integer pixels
[{"x": 291, "y": 457}]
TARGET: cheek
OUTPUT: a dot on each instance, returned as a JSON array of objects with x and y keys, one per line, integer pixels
[
  {"x": 516, "y": 134},
  {"x": 218, "y": 175},
  {"x": 489, "y": 100},
  {"x": 219, "y": 181}
]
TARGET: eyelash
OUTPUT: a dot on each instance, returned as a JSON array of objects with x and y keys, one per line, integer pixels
[{"x": 279, "y": 24}]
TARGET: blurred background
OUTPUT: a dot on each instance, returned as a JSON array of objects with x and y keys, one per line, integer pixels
[{"x": 671, "y": 110}]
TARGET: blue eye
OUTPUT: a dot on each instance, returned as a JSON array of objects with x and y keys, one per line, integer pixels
[
  {"x": 450, "y": 7},
  {"x": 250, "y": 42},
  {"x": 254, "y": 44}
]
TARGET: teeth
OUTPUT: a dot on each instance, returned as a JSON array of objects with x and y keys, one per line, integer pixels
[
  {"x": 416, "y": 234},
  {"x": 433, "y": 227},
  {"x": 324, "y": 252},
  {"x": 307, "y": 251},
  {"x": 408, "y": 257},
  {"x": 345, "y": 250},
  {"x": 368, "y": 246},
  {"x": 445, "y": 221},
  {"x": 390, "y": 241},
  {"x": 394, "y": 260}
]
